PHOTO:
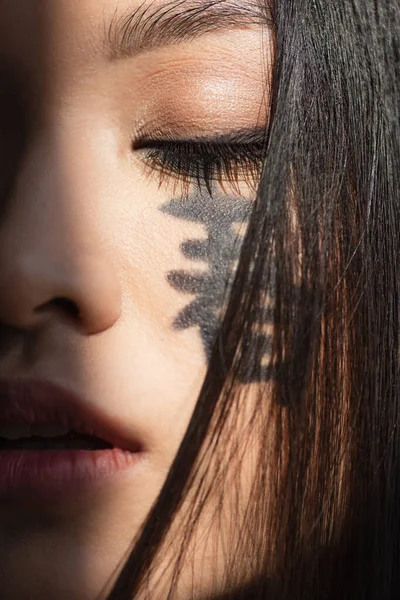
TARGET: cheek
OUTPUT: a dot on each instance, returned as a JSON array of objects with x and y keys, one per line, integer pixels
[
  {"x": 180, "y": 255},
  {"x": 152, "y": 251},
  {"x": 176, "y": 254},
  {"x": 164, "y": 367}
]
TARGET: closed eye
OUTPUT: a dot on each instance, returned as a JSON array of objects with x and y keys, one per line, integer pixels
[{"x": 232, "y": 158}]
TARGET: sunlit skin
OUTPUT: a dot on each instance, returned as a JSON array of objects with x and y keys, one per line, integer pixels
[{"x": 86, "y": 218}]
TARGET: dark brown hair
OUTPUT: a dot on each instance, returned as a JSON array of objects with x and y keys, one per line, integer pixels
[{"x": 323, "y": 244}]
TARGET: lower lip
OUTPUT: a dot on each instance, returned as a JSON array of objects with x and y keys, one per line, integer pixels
[{"x": 47, "y": 472}]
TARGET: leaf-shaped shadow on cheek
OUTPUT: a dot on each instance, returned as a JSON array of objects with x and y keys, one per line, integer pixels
[{"x": 219, "y": 213}]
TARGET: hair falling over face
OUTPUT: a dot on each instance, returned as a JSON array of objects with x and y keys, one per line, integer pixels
[
  {"x": 323, "y": 245},
  {"x": 200, "y": 217}
]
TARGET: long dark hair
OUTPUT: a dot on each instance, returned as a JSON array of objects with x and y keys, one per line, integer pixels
[{"x": 323, "y": 246}]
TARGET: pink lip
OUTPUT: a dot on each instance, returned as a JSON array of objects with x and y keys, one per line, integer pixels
[
  {"x": 42, "y": 473},
  {"x": 30, "y": 475},
  {"x": 38, "y": 401}
]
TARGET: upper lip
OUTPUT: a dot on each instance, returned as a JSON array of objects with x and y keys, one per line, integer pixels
[{"x": 24, "y": 401}]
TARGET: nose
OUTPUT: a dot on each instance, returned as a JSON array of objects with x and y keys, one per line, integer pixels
[{"x": 54, "y": 261}]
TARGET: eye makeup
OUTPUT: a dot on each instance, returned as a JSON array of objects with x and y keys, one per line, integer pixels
[{"x": 233, "y": 157}]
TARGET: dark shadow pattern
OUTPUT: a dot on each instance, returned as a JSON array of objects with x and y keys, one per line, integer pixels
[{"x": 219, "y": 213}]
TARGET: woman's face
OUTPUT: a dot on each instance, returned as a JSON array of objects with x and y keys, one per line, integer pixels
[{"x": 121, "y": 127}]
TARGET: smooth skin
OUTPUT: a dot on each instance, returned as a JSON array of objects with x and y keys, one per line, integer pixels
[{"x": 81, "y": 219}]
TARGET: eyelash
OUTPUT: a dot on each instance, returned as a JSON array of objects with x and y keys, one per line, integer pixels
[{"x": 232, "y": 159}]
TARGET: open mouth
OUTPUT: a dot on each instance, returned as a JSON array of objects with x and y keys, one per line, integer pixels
[
  {"x": 72, "y": 440},
  {"x": 48, "y": 438},
  {"x": 54, "y": 444},
  {"x": 39, "y": 415}
]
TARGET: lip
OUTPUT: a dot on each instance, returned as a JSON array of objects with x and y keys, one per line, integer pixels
[
  {"x": 24, "y": 401},
  {"x": 29, "y": 475}
]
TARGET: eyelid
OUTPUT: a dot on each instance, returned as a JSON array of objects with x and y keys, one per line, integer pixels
[
  {"x": 233, "y": 158},
  {"x": 255, "y": 135}
]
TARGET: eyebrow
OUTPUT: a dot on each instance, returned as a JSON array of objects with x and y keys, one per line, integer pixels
[{"x": 154, "y": 25}]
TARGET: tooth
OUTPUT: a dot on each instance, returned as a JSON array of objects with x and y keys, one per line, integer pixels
[
  {"x": 14, "y": 432},
  {"x": 48, "y": 431}
]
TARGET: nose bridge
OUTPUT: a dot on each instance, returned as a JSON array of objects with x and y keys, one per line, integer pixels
[
  {"x": 51, "y": 242},
  {"x": 56, "y": 184}
]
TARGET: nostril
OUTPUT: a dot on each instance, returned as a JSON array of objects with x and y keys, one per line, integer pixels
[{"x": 65, "y": 304}]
